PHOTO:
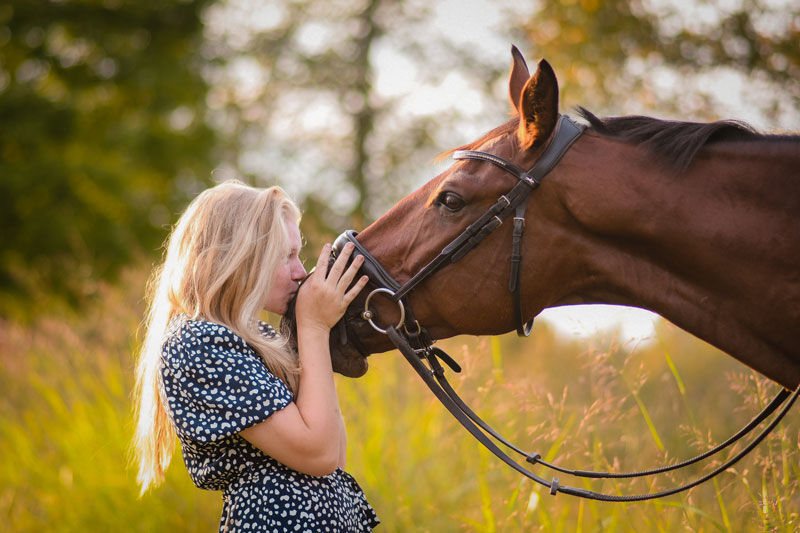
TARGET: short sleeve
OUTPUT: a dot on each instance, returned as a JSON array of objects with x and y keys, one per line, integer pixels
[{"x": 214, "y": 384}]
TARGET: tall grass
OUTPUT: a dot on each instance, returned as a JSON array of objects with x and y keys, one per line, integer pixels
[{"x": 66, "y": 426}]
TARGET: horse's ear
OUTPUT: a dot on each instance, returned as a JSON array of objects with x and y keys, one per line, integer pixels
[
  {"x": 538, "y": 107},
  {"x": 518, "y": 76}
]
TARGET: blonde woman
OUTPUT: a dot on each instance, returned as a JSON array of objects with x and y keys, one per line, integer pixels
[{"x": 254, "y": 419}]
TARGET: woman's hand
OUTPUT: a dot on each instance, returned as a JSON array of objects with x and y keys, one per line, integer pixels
[
  {"x": 322, "y": 300},
  {"x": 308, "y": 435}
]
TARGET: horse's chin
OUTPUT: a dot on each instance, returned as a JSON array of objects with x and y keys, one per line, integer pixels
[
  {"x": 352, "y": 365},
  {"x": 347, "y": 359}
]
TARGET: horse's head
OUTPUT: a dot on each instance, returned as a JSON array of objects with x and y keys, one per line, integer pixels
[{"x": 471, "y": 295}]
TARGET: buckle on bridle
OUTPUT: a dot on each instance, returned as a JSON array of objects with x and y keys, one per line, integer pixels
[{"x": 418, "y": 332}]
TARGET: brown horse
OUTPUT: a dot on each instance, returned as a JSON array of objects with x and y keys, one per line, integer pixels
[{"x": 699, "y": 223}]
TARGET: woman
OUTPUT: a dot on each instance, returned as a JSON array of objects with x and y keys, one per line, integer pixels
[{"x": 254, "y": 419}]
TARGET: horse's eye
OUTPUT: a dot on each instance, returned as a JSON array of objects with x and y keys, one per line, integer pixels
[{"x": 450, "y": 201}]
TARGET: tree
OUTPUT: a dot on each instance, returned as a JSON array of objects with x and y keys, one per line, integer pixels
[
  {"x": 300, "y": 87},
  {"x": 702, "y": 61},
  {"x": 103, "y": 139}
]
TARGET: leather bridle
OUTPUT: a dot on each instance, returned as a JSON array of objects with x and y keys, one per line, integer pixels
[
  {"x": 513, "y": 202},
  {"x": 416, "y": 345}
]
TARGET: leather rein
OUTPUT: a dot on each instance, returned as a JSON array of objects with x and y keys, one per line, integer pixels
[{"x": 417, "y": 347}]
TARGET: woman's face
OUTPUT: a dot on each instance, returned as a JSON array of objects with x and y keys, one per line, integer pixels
[{"x": 290, "y": 272}]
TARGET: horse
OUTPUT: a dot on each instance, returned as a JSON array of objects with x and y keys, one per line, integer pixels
[{"x": 697, "y": 222}]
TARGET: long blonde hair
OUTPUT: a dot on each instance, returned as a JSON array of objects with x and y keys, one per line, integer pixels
[{"x": 217, "y": 266}]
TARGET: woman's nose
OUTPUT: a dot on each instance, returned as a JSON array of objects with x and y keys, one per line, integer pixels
[{"x": 298, "y": 272}]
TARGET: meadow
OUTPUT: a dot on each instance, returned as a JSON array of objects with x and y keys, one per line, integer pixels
[{"x": 593, "y": 404}]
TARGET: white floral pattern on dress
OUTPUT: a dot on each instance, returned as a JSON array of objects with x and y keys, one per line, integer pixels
[{"x": 214, "y": 386}]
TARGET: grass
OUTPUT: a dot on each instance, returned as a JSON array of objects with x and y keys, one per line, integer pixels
[{"x": 66, "y": 426}]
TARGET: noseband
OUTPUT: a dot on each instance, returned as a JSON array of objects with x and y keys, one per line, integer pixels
[{"x": 416, "y": 345}]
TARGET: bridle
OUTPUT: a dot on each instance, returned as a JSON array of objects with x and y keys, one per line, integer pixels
[
  {"x": 416, "y": 345},
  {"x": 514, "y": 201}
]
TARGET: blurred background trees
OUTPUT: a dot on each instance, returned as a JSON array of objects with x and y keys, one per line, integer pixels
[
  {"x": 103, "y": 140},
  {"x": 314, "y": 95},
  {"x": 700, "y": 60},
  {"x": 116, "y": 112}
]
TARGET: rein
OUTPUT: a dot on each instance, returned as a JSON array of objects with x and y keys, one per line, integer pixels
[
  {"x": 434, "y": 377},
  {"x": 416, "y": 344}
]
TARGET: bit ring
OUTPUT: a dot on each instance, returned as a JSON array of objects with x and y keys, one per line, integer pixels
[{"x": 369, "y": 315}]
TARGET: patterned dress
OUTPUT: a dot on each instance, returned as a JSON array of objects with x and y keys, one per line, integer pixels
[{"x": 214, "y": 386}]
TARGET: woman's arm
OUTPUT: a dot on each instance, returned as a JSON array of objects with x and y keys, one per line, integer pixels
[
  {"x": 307, "y": 435},
  {"x": 342, "y": 444}
]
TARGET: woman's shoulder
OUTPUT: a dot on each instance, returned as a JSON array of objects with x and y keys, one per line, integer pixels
[
  {"x": 189, "y": 339},
  {"x": 210, "y": 327},
  {"x": 197, "y": 334},
  {"x": 195, "y": 331},
  {"x": 214, "y": 385}
]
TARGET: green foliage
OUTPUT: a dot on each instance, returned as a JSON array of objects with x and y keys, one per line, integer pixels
[
  {"x": 679, "y": 59},
  {"x": 588, "y": 44},
  {"x": 103, "y": 140},
  {"x": 67, "y": 424}
]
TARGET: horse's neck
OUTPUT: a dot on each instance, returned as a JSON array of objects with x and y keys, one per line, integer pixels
[
  {"x": 715, "y": 249},
  {"x": 628, "y": 192}
]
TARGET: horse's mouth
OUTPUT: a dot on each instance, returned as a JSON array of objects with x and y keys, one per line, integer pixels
[
  {"x": 347, "y": 361},
  {"x": 347, "y": 358}
]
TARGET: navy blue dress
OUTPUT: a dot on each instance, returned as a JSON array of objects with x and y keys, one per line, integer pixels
[{"x": 213, "y": 386}]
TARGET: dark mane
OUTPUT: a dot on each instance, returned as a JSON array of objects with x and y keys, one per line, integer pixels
[{"x": 676, "y": 142}]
